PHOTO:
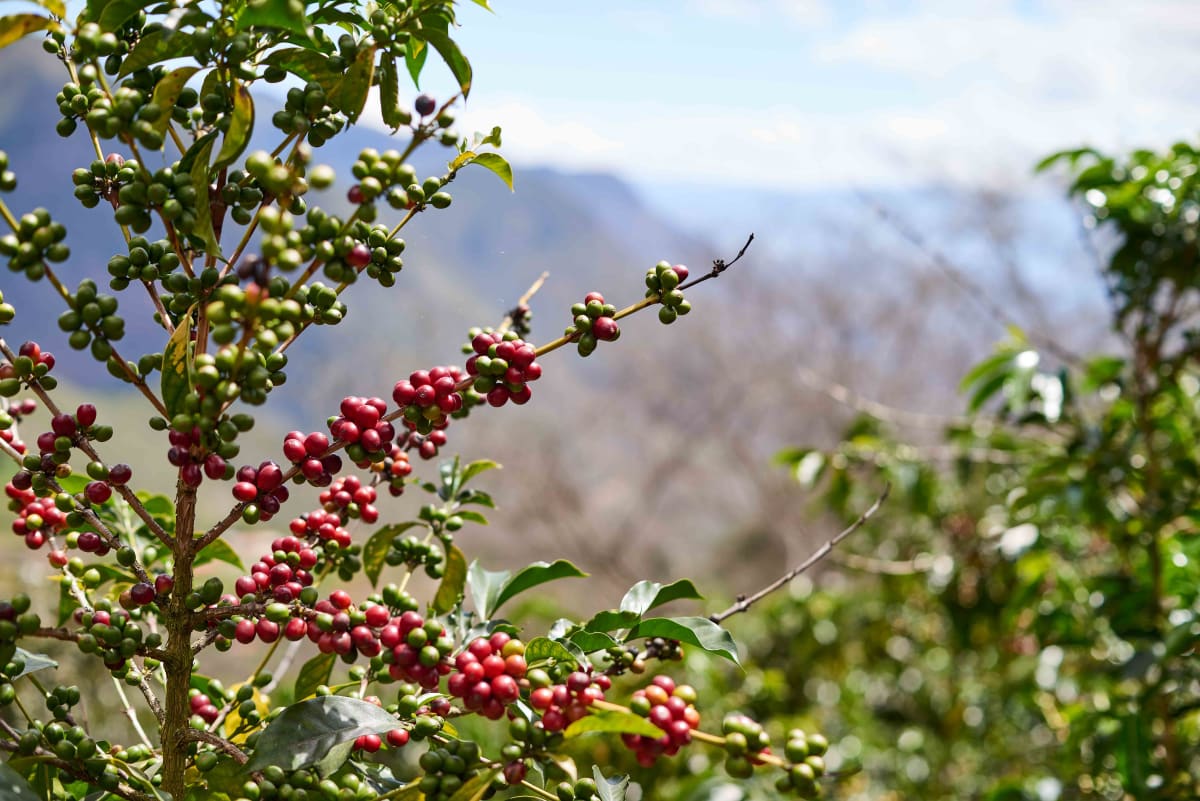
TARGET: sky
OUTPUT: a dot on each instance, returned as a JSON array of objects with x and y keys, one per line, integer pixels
[{"x": 804, "y": 94}]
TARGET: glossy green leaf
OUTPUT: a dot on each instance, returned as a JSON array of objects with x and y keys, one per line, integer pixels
[
  {"x": 485, "y": 586},
  {"x": 219, "y": 551},
  {"x": 307, "y": 730},
  {"x": 498, "y": 165},
  {"x": 613, "y": 789},
  {"x": 646, "y": 595},
  {"x": 448, "y": 49},
  {"x": 613, "y": 723},
  {"x": 611, "y": 620},
  {"x": 13, "y": 786},
  {"x": 117, "y": 12},
  {"x": 16, "y": 26},
  {"x": 350, "y": 93},
  {"x": 313, "y": 674},
  {"x": 477, "y": 786},
  {"x": 698, "y": 631},
  {"x": 241, "y": 124},
  {"x": 474, "y": 517},
  {"x": 167, "y": 91},
  {"x": 176, "y": 366},
  {"x": 33, "y": 663},
  {"x": 454, "y": 581},
  {"x": 287, "y": 15},
  {"x": 377, "y": 547},
  {"x": 542, "y": 649},
  {"x": 532, "y": 576},
  {"x": 56, "y": 7},
  {"x": 154, "y": 47},
  {"x": 475, "y": 468},
  {"x": 591, "y": 641},
  {"x": 414, "y": 59},
  {"x": 389, "y": 94}
]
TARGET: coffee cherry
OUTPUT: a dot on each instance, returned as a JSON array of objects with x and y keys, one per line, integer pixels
[{"x": 425, "y": 105}]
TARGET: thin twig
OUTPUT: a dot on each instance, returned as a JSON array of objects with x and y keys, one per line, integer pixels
[
  {"x": 719, "y": 266},
  {"x": 958, "y": 277},
  {"x": 880, "y": 411},
  {"x": 131, "y": 714},
  {"x": 522, "y": 302},
  {"x": 218, "y": 742},
  {"x": 745, "y": 602}
]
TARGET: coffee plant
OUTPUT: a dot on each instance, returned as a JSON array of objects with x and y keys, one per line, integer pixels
[{"x": 237, "y": 264}]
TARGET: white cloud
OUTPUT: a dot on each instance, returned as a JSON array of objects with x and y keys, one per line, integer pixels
[{"x": 984, "y": 90}]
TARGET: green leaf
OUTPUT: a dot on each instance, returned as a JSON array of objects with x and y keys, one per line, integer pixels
[
  {"x": 454, "y": 580},
  {"x": 154, "y": 47},
  {"x": 56, "y": 7},
  {"x": 613, "y": 789},
  {"x": 350, "y": 94},
  {"x": 306, "y": 731},
  {"x": 241, "y": 123},
  {"x": 414, "y": 60},
  {"x": 984, "y": 368},
  {"x": 483, "y": 4},
  {"x": 389, "y": 94},
  {"x": 591, "y": 641},
  {"x": 698, "y": 631},
  {"x": 614, "y": 723},
  {"x": 645, "y": 595},
  {"x": 167, "y": 91},
  {"x": 16, "y": 26},
  {"x": 532, "y": 576},
  {"x": 474, "y": 517},
  {"x": 497, "y": 164},
  {"x": 285, "y": 14},
  {"x": 377, "y": 547},
  {"x": 493, "y": 138},
  {"x": 219, "y": 551},
  {"x": 477, "y": 497},
  {"x": 117, "y": 12},
  {"x": 33, "y": 663},
  {"x": 475, "y": 468},
  {"x": 541, "y": 649},
  {"x": 308, "y": 64},
  {"x": 477, "y": 786},
  {"x": 177, "y": 367},
  {"x": 448, "y": 49},
  {"x": 485, "y": 586},
  {"x": 13, "y": 786},
  {"x": 611, "y": 620},
  {"x": 313, "y": 674}
]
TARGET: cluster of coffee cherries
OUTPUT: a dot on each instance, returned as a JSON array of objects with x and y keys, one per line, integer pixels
[
  {"x": 38, "y": 239},
  {"x": 415, "y": 553},
  {"x": 242, "y": 194},
  {"x": 190, "y": 453},
  {"x": 114, "y": 637},
  {"x": 261, "y": 489},
  {"x": 593, "y": 323},
  {"x": 10, "y": 415},
  {"x": 428, "y": 398},
  {"x": 447, "y": 767},
  {"x": 670, "y": 707},
  {"x": 395, "y": 469},
  {"x": 503, "y": 366},
  {"x": 276, "y": 783},
  {"x": 98, "y": 181},
  {"x": 306, "y": 112},
  {"x": 282, "y": 574},
  {"x": 66, "y": 430},
  {"x": 563, "y": 704},
  {"x": 38, "y": 519},
  {"x": 348, "y": 497},
  {"x": 145, "y": 261},
  {"x": 361, "y": 425},
  {"x": 416, "y": 649},
  {"x": 92, "y": 320},
  {"x": 662, "y": 281},
  {"x": 8, "y": 178},
  {"x": 385, "y": 175},
  {"x": 489, "y": 671},
  {"x": 582, "y": 790},
  {"x": 168, "y": 191}
]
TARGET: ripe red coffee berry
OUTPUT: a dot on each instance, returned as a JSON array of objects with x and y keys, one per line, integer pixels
[
  {"x": 85, "y": 414},
  {"x": 119, "y": 474},
  {"x": 142, "y": 593},
  {"x": 359, "y": 256},
  {"x": 425, "y": 105}
]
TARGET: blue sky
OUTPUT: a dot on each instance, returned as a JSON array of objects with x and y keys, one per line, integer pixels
[{"x": 797, "y": 94}]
